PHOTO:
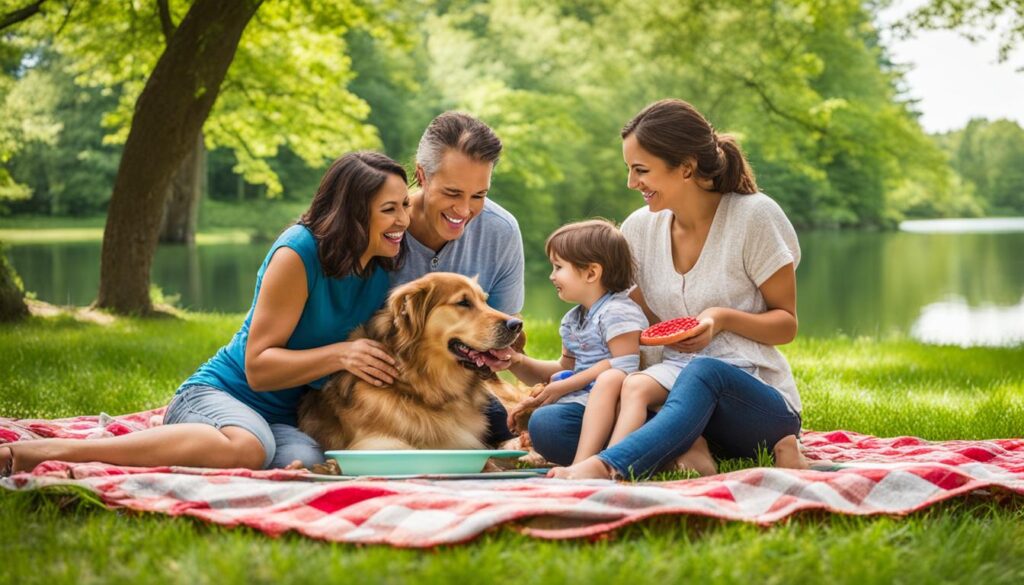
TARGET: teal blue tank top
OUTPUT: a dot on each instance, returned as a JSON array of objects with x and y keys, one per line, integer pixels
[{"x": 334, "y": 307}]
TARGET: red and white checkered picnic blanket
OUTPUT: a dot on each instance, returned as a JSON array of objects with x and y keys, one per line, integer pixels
[{"x": 877, "y": 476}]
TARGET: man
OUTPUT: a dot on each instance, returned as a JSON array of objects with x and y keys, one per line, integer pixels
[{"x": 454, "y": 227}]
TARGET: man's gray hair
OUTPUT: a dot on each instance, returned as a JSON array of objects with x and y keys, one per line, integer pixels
[{"x": 461, "y": 132}]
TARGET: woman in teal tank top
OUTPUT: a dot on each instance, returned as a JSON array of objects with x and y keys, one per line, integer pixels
[{"x": 321, "y": 279}]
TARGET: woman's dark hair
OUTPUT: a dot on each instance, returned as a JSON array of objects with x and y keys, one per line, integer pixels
[
  {"x": 676, "y": 132},
  {"x": 595, "y": 241},
  {"x": 339, "y": 215},
  {"x": 460, "y": 132}
]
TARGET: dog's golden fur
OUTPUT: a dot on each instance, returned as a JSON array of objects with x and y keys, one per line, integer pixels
[{"x": 439, "y": 403}]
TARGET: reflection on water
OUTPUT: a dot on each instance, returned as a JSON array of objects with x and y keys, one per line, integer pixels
[
  {"x": 210, "y": 278},
  {"x": 954, "y": 322},
  {"x": 856, "y": 283},
  {"x": 878, "y": 283}
]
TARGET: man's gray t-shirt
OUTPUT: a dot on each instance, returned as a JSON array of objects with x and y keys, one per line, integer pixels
[{"x": 491, "y": 248}]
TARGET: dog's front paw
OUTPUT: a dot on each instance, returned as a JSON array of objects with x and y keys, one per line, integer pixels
[
  {"x": 329, "y": 467},
  {"x": 513, "y": 444}
]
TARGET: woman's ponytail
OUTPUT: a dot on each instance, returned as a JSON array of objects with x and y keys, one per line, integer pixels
[{"x": 735, "y": 176}]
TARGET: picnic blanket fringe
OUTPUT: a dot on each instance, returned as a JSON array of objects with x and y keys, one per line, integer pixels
[{"x": 894, "y": 476}]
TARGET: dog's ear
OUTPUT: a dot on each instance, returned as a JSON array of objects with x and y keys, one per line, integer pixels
[{"x": 409, "y": 305}]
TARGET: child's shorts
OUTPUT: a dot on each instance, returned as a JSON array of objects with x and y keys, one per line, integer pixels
[{"x": 666, "y": 371}]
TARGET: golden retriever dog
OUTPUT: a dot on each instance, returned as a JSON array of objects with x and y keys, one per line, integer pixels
[{"x": 442, "y": 334}]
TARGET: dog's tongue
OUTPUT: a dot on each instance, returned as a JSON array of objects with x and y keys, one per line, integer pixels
[
  {"x": 492, "y": 358},
  {"x": 496, "y": 358},
  {"x": 502, "y": 353}
]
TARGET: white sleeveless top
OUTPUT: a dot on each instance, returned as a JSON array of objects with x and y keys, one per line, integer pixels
[{"x": 750, "y": 240}]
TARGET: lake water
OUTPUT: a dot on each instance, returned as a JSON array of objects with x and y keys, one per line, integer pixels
[{"x": 948, "y": 282}]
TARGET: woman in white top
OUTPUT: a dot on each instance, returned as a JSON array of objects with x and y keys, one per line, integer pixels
[{"x": 707, "y": 244}]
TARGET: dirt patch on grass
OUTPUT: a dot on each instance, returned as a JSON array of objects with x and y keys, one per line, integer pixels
[
  {"x": 91, "y": 315},
  {"x": 83, "y": 314}
]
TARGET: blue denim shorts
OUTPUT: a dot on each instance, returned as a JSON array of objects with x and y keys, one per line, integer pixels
[{"x": 282, "y": 444}]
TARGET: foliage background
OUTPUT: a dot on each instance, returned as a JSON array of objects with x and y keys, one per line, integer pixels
[{"x": 806, "y": 84}]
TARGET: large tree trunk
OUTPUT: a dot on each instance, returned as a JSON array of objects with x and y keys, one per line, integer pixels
[
  {"x": 12, "y": 296},
  {"x": 168, "y": 117},
  {"x": 181, "y": 212}
]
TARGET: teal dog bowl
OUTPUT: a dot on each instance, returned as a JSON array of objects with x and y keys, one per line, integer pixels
[{"x": 416, "y": 462}]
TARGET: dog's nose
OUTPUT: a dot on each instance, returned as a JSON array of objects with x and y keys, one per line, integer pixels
[{"x": 514, "y": 325}]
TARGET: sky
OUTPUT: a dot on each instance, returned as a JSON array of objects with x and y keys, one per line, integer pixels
[{"x": 955, "y": 79}]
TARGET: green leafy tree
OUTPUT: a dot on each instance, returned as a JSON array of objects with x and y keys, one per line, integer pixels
[
  {"x": 27, "y": 102},
  {"x": 989, "y": 155},
  {"x": 286, "y": 87},
  {"x": 170, "y": 61},
  {"x": 73, "y": 173}
]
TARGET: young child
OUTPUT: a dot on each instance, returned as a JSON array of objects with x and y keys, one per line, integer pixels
[{"x": 591, "y": 266}]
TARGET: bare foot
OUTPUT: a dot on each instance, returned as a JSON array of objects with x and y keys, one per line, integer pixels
[
  {"x": 30, "y": 454},
  {"x": 590, "y": 468},
  {"x": 787, "y": 454},
  {"x": 698, "y": 459}
]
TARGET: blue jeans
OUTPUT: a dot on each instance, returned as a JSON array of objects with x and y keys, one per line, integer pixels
[
  {"x": 282, "y": 444},
  {"x": 734, "y": 411}
]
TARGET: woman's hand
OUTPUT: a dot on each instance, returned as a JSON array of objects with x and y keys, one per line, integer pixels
[
  {"x": 369, "y": 360},
  {"x": 702, "y": 334}
]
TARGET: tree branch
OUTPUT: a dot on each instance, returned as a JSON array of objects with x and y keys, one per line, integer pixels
[
  {"x": 15, "y": 16},
  {"x": 770, "y": 105},
  {"x": 166, "y": 24},
  {"x": 67, "y": 17}
]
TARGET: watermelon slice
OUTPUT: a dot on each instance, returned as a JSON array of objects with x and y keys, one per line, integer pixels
[{"x": 668, "y": 332}]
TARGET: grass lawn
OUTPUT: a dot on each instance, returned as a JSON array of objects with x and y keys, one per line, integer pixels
[{"x": 60, "y": 367}]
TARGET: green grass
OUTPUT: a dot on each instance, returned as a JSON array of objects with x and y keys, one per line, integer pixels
[{"x": 61, "y": 367}]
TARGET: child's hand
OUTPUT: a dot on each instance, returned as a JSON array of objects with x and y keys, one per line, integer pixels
[
  {"x": 539, "y": 396},
  {"x": 551, "y": 393}
]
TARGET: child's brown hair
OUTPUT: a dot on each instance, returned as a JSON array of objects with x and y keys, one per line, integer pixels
[{"x": 595, "y": 241}]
